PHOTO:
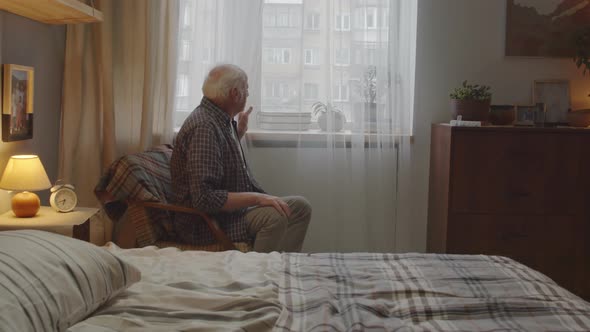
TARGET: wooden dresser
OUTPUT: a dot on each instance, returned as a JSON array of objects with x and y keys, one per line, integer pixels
[{"x": 517, "y": 192}]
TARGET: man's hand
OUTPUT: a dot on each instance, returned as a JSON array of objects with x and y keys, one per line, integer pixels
[
  {"x": 243, "y": 122},
  {"x": 277, "y": 203},
  {"x": 248, "y": 199}
]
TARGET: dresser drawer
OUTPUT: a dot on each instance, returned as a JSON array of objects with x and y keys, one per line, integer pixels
[
  {"x": 515, "y": 173},
  {"x": 548, "y": 244},
  {"x": 517, "y": 237}
]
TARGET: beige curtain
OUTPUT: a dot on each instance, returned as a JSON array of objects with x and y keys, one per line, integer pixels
[{"x": 118, "y": 90}]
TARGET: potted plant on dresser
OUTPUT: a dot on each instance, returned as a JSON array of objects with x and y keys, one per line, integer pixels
[
  {"x": 581, "y": 118},
  {"x": 471, "y": 102}
]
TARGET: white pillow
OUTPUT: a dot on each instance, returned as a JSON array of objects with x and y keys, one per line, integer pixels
[{"x": 49, "y": 282}]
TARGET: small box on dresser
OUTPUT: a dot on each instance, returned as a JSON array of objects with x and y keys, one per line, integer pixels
[{"x": 518, "y": 192}]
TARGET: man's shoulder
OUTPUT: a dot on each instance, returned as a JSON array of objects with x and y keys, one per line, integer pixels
[{"x": 199, "y": 121}]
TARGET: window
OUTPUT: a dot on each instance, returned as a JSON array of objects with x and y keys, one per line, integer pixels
[
  {"x": 269, "y": 19},
  {"x": 185, "y": 50},
  {"x": 284, "y": 90},
  {"x": 342, "y": 56},
  {"x": 286, "y": 55},
  {"x": 182, "y": 86},
  {"x": 310, "y": 91},
  {"x": 276, "y": 90},
  {"x": 187, "y": 17},
  {"x": 277, "y": 55},
  {"x": 311, "y": 51},
  {"x": 340, "y": 92},
  {"x": 206, "y": 56},
  {"x": 342, "y": 22},
  {"x": 371, "y": 18},
  {"x": 283, "y": 19},
  {"x": 366, "y": 18},
  {"x": 312, "y": 21},
  {"x": 366, "y": 56},
  {"x": 311, "y": 57}
]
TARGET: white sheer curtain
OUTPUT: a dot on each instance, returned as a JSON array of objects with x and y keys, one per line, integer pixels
[
  {"x": 357, "y": 56},
  {"x": 212, "y": 32}
]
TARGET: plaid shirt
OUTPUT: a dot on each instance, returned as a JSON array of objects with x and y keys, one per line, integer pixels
[{"x": 207, "y": 163}]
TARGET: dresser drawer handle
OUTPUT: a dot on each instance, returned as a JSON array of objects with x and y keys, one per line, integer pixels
[
  {"x": 519, "y": 194},
  {"x": 512, "y": 236}
]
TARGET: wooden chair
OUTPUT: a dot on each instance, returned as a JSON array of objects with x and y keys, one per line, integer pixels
[{"x": 135, "y": 191}]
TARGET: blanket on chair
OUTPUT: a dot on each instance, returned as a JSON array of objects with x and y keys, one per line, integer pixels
[{"x": 141, "y": 176}]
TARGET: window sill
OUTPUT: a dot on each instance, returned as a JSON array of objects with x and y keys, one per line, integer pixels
[{"x": 318, "y": 138}]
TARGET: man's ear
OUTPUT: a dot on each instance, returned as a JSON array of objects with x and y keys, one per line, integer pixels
[{"x": 233, "y": 93}]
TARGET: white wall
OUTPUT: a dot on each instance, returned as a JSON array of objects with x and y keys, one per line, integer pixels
[
  {"x": 457, "y": 40},
  {"x": 42, "y": 46}
]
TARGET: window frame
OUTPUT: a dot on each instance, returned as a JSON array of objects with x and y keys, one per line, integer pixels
[
  {"x": 339, "y": 87},
  {"x": 315, "y": 23},
  {"x": 337, "y": 58},
  {"x": 339, "y": 21},
  {"x": 316, "y": 86}
]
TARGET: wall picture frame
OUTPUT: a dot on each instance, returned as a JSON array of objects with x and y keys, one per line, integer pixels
[
  {"x": 17, "y": 102},
  {"x": 543, "y": 28},
  {"x": 555, "y": 94}
]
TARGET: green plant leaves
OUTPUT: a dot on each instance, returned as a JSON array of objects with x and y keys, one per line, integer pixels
[{"x": 469, "y": 92}]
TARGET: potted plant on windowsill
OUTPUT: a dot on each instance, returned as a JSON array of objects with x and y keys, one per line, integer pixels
[
  {"x": 330, "y": 117},
  {"x": 366, "y": 112},
  {"x": 471, "y": 102},
  {"x": 581, "y": 118}
]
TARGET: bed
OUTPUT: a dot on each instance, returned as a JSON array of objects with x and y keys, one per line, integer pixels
[{"x": 227, "y": 291}]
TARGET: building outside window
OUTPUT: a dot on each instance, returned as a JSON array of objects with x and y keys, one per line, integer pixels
[
  {"x": 310, "y": 91},
  {"x": 371, "y": 18},
  {"x": 342, "y": 56},
  {"x": 277, "y": 55},
  {"x": 312, "y": 21},
  {"x": 311, "y": 57},
  {"x": 182, "y": 86},
  {"x": 341, "y": 92},
  {"x": 185, "y": 50},
  {"x": 342, "y": 22}
]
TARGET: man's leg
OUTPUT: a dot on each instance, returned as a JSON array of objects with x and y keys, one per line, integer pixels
[
  {"x": 268, "y": 226},
  {"x": 274, "y": 232},
  {"x": 296, "y": 224}
]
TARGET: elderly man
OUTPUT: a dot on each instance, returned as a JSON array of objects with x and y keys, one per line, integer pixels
[{"x": 210, "y": 173}]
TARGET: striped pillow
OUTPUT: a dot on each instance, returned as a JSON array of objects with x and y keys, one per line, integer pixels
[{"x": 49, "y": 282}]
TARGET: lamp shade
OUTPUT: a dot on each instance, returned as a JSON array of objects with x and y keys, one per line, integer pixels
[{"x": 25, "y": 172}]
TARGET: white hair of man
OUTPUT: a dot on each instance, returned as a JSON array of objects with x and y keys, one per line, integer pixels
[{"x": 221, "y": 79}]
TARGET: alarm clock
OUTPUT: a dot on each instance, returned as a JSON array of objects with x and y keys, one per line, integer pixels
[{"x": 63, "y": 197}]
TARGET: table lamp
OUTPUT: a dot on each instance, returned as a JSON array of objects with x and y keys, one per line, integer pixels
[{"x": 25, "y": 173}]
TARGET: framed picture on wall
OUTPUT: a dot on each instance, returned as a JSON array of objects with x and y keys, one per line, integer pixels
[
  {"x": 17, "y": 103},
  {"x": 555, "y": 94},
  {"x": 544, "y": 28}
]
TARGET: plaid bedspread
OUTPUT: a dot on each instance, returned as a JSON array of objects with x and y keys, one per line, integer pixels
[
  {"x": 421, "y": 292},
  {"x": 233, "y": 291}
]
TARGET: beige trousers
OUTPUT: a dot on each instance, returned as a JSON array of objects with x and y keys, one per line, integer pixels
[{"x": 274, "y": 232}]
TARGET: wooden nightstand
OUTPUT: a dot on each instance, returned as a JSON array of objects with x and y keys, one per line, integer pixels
[{"x": 75, "y": 224}]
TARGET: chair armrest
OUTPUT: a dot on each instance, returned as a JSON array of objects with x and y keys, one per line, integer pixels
[
  {"x": 104, "y": 196},
  {"x": 211, "y": 223}
]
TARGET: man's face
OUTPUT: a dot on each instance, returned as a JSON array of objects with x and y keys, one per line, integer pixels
[{"x": 242, "y": 97}]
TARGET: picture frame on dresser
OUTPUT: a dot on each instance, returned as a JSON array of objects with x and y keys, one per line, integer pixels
[
  {"x": 555, "y": 94},
  {"x": 530, "y": 115}
]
